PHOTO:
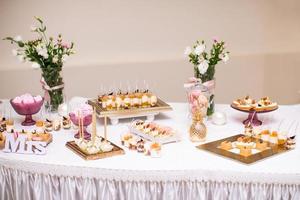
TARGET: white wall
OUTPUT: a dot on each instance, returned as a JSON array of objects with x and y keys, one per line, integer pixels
[{"x": 126, "y": 39}]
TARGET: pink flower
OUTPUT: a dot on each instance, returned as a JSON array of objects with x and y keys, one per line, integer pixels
[{"x": 65, "y": 45}]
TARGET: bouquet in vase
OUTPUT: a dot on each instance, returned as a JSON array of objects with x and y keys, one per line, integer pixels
[
  {"x": 46, "y": 54},
  {"x": 204, "y": 66}
]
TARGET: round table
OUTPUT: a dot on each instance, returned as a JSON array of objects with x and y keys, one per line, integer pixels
[{"x": 183, "y": 171}]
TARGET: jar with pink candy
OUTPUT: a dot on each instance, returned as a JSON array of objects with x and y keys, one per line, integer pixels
[{"x": 198, "y": 95}]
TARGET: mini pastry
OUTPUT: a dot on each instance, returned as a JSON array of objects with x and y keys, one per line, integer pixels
[
  {"x": 281, "y": 139},
  {"x": 261, "y": 145},
  {"x": 2, "y": 140},
  {"x": 132, "y": 143},
  {"x": 119, "y": 102},
  {"x": 273, "y": 137},
  {"x": 245, "y": 151},
  {"x": 125, "y": 139},
  {"x": 145, "y": 100},
  {"x": 226, "y": 145},
  {"x": 106, "y": 146},
  {"x": 39, "y": 126},
  {"x": 92, "y": 150},
  {"x": 66, "y": 122},
  {"x": 153, "y": 100},
  {"x": 9, "y": 125},
  {"x": 140, "y": 146},
  {"x": 127, "y": 102},
  {"x": 291, "y": 142},
  {"x": 155, "y": 150},
  {"x": 104, "y": 101},
  {"x": 56, "y": 125},
  {"x": 48, "y": 125},
  {"x": 265, "y": 135}
]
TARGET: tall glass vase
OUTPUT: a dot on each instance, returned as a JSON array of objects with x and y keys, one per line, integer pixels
[
  {"x": 208, "y": 81},
  {"x": 53, "y": 85}
]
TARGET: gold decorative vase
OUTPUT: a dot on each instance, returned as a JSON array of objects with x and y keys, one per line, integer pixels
[{"x": 198, "y": 128}]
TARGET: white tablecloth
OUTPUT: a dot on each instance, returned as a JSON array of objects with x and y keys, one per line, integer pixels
[{"x": 183, "y": 171}]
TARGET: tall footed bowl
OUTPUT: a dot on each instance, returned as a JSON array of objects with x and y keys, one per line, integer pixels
[
  {"x": 87, "y": 120},
  {"x": 27, "y": 109}
]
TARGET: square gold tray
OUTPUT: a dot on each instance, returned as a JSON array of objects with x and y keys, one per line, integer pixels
[
  {"x": 116, "y": 151},
  {"x": 160, "y": 107},
  {"x": 214, "y": 148}
]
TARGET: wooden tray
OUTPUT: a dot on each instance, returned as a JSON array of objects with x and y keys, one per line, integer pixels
[
  {"x": 214, "y": 148},
  {"x": 161, "y": 106},
  {"x": 116, "y": 151}
]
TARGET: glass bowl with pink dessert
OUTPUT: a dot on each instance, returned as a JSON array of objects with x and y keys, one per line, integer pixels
[{"x": 27, "y": 105}]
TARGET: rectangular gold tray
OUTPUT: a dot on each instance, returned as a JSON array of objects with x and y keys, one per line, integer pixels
[
  {"x": 116, "y": 151},
  {"x": 160, "y": 107},
  {"x": 213, "y": 147}
]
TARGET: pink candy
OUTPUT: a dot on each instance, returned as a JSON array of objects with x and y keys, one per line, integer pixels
[
  {"x": 27, "y": 99},
  {"x": 84, "y": 109}
]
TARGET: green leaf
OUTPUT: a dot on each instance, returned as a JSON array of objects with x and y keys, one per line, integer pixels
[{"x": 38, "y": 19}]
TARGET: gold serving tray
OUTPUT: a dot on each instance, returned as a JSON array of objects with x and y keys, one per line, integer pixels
[
  {"x": 214, "y": 148},
  {"x": 160, "y": 107},
  {"x": 116, "y": 151}
]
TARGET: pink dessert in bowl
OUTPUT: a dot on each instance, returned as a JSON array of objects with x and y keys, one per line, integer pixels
[
  {"x": 27, "y": 105},
  {"x": 85, "y": 111}
]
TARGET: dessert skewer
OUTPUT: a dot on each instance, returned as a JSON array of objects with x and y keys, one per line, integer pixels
[
  {"x": 94, "y": 131},
  {"x": 105, "y": 128}
]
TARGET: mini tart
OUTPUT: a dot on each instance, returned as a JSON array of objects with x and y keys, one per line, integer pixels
[
  {"x": 261, "y": 145},
  {"x": 226, "y": 145},
  {"x": 2, "y": 140},
  {"x": 45, "y": 137},
  {"x": 245, "y": 151}
]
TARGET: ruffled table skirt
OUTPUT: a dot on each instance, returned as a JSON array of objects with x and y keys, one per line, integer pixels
[{"x": 18, "y": 184}]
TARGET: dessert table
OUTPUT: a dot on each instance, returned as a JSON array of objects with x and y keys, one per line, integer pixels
[{"x": 183, "y": 171}]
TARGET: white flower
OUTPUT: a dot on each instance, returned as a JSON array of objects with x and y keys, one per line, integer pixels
[
  {"x": 35, "y": 65},
  {"x": 203, "y": 66},
  {"x": 187, "y": 51},
  {"x": 55, "y": 59},
  {"x": 33, "y": 28},
  {"x": 65, "y": 58},
  {"x": 21, "y": 58},
  {"x": 42, "y": 51},
  {"x": 225, "y": 57},
  {"x": 18, "y": 38},
  {"x": 199, "y": 49},
  {"x": 14, "y": 52}
]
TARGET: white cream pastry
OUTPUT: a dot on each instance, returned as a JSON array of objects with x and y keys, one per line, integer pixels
[
  {"x": 106, "y": 146},
  {"x": 153, "y": 100},
  {"x": 92, "y": 150}
]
